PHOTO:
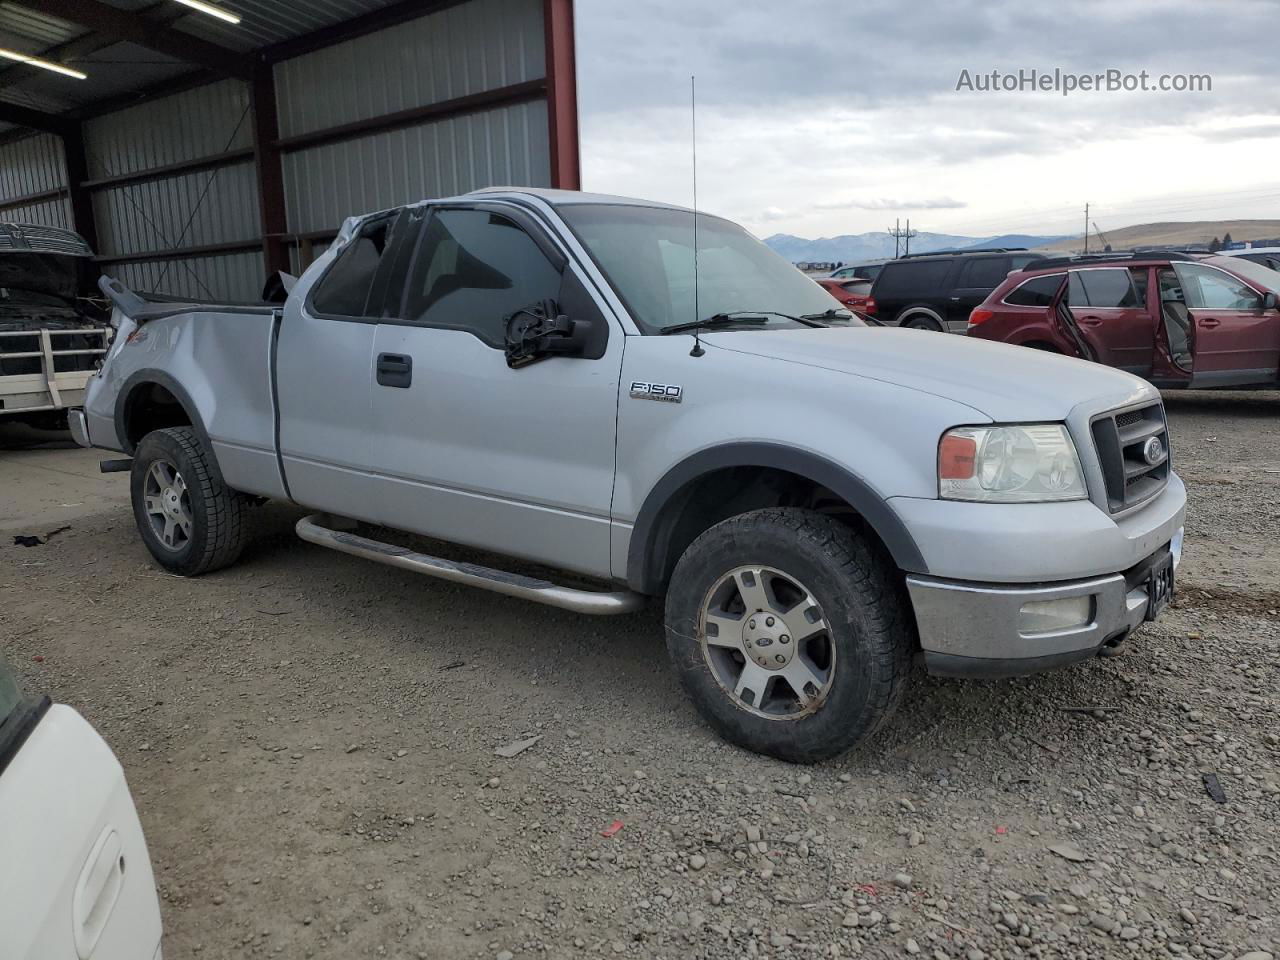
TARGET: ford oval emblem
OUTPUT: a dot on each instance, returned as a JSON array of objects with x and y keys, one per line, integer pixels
[{"x": 1153, "y": 451}]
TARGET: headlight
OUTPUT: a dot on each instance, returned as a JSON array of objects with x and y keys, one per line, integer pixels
[{"x": 1031, "y": 463}]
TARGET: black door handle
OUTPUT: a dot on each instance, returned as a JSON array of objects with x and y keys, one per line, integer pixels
[{"x": 394, "y": 369}]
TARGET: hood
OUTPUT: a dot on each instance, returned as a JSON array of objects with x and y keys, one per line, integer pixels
[
  {"x": 43, "y": 274},
  {"x": 1006, "y": 383},
  {"x": 43, "y": 261}
]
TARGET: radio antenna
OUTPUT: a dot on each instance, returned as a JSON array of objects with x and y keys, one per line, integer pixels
[{"x": 697, "y": 350}]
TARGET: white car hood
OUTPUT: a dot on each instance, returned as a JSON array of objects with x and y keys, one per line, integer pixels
[{"x": 1006, "y": 383}]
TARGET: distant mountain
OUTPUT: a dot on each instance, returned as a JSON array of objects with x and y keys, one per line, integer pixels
[
  {"x": 850, "y": 248},
  {"x": 1159, "y": 234}
]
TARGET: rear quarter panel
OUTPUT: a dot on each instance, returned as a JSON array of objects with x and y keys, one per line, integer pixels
[{"x": 223, "y": 363}]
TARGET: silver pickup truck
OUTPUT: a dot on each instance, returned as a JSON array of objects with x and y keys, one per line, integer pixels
[{"x": 554, "y": 377}]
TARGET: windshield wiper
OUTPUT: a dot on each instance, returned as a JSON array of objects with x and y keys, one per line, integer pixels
[
  {"x": 831, "y": 314},
  {"x": 739, "y": 316}
]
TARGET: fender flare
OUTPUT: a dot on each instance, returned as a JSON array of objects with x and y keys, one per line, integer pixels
[
  {"x": 159, "y": 377},
  {"x": 646, "y": 554},
  {"x": 921, "y": 309}
]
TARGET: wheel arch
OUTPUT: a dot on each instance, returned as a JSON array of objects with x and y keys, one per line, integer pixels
[
  {"x": 922, "y": 310},
  {"x": 662, "y": 528},
  {"x": 135, "y": 415}
]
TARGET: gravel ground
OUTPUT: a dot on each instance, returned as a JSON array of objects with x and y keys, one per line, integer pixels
[{"x": 311, "y": 739}]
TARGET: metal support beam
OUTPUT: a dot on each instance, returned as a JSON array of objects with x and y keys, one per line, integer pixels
[
  {"x": 125, "y": 27},
  {"x": 154, "y": 91},
  {"x": 182, "y": 253},
  {"x": 266, "y": 132},
  {"x": 35, "y": 119},
  {"x": 562, "y": 94},
  {"x": 391, "y": 15},
  {"x": 160, "y": 14},
  {"x": 193, "y": 165},
  {"x": 77, "y": 167},
  {"x": 469, "y": 103},
  {"x": 27, "y": 199}
]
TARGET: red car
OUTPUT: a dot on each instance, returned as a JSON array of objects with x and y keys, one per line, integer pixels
[
  {"x": 1179, "y": 320},
  {"x": 852, "y": 294}
]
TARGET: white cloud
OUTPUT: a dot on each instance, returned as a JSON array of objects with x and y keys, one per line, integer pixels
[{"x": 818, "y": 124}]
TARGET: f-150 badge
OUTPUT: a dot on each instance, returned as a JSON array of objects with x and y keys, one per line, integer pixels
[{"x": 668, "y": 392}]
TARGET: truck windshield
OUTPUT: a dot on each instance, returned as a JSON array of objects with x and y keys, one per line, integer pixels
[{"x": 647, "y": 255}]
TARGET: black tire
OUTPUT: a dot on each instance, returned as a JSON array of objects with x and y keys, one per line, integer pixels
[
  {"x": 922, "y": 321},
  {"x": 218, "y": 527},
  {"x": 853, "y": 582}
]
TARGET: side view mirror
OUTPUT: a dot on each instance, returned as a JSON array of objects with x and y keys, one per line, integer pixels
[
  {"x": 1269, "y": 302},
  {"x": 541, "y": 330}
]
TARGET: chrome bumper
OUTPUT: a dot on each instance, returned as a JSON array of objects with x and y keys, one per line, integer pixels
[
  {"x": 79, "y": 430},
  {"x": 978, "y": 630}
]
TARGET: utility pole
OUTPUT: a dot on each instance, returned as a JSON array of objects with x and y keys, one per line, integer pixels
[
  {"x": 899, "y": 234},
  {"x": 1086, "y": 228}
]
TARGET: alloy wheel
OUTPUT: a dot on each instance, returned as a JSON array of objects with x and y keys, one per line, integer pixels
[{"x": 767, "y": 642}]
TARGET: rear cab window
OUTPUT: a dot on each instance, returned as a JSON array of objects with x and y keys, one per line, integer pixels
[{"x": 346, "y": 287}]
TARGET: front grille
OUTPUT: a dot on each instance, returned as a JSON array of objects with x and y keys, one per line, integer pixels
[{"x": 1121, "y": 440}]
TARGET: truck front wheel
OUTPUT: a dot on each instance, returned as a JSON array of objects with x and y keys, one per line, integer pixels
[
  {"x": 189, "y": 519},
  {"x": 787, "y": 630}
]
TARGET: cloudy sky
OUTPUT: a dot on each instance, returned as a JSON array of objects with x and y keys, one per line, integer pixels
[{"x": 820, "y": 118}]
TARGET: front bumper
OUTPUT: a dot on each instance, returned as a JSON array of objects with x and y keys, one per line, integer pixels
[{"x": 979, "y": 630}]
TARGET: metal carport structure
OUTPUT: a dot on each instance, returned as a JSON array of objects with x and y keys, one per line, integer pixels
[{"x": 199, "y": 155}]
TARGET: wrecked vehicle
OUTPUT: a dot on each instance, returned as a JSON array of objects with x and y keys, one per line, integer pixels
[
  {"x": 51, "y": 337},
  {"x": 551, "y": 376}
]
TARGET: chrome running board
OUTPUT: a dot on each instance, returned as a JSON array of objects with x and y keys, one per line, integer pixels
[{"x": 317, "y": 529}]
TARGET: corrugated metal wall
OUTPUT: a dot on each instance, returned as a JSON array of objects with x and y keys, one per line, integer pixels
[
  {"x": 506, "y": 146},
  {"x": 228, "y": 277},
  {"x": 462, "y": 50},
  {"x": 469, "y": 48},
  {"x": 185, "y": 209},
  {"x": 194, "y": 123},
  {"x": 35, "y": 165}
]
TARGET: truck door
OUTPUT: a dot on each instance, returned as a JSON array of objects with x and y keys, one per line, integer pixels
[
  {"x": 1110, "y": 308},
  {"x": 519, "y": 461},
  {"x": 1235, "y": 338},
  {"x": 323, "y": 357}
]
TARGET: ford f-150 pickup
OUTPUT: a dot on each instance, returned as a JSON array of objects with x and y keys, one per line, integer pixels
[{"x": 561, "y": 378}]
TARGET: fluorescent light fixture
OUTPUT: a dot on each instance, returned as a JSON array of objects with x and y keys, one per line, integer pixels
[
  {"x": 43, "y": 64},
  {"x": 211, "y": 10}
]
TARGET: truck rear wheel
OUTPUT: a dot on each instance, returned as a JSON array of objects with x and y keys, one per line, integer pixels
[
  {"x": 189, "y": 519},
  {"x": 788, "y": 632}
]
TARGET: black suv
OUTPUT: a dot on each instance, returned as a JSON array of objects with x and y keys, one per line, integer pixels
[{"x": 937, "y": 291}]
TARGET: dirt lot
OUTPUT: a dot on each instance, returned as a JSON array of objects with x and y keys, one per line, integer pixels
[{"x": 310, "y": 739}]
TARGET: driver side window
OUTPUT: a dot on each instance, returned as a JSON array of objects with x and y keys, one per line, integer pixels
[
  {"x": 1209, "y": 289},
  {"x": 473, "y": 269}
]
